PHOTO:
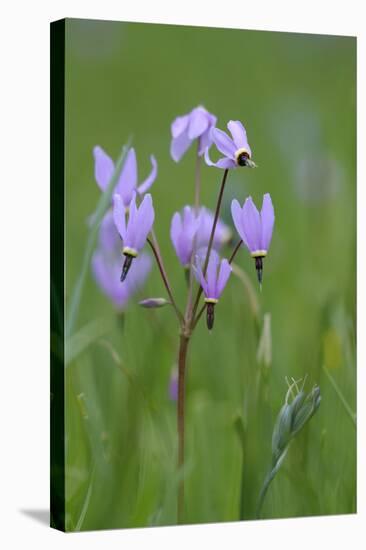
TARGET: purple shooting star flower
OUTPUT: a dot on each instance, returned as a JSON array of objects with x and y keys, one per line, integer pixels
[
  {"x": 182, "y": 232},
  {"x": 127, "y": 183},
  {"x": 185, "y": 129},
  {"x": 109, "y": 238},
  {"x": 255, "y": 228},
  {"x": 236, "y": 149},
  {"x": 213, "y": 282},
  {"x": 189, "y": 231},
  {"x": 134, "y": 232},
  {"x": 106, "y": 269},
  {"x": 222, "y": 232}
]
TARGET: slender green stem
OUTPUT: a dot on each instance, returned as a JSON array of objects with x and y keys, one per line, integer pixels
[
  {"x": 86, "y": 500},
  {"x": 156, "y": 251},
  {"x": 240, "y": 430},
  {"x": 182, "y": 359},
  {"x": 336, "y": 388},
  {"x": 210, "y": 243},
  {"x": 197, "y": 193}
]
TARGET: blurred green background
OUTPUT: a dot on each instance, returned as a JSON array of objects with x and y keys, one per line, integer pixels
[{"x": 296, "y": 95}]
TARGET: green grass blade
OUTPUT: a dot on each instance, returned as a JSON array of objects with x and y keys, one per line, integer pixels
[
  {"x": 87, "y": 335},
  {"x": 336, "y": 388},
  {"x": 86, "y": 502}
]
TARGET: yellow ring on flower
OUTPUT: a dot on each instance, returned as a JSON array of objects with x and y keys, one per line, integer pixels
[
  {"x": 240, "y": 152},
  {"x": 211, "y": 300},
  {"x": 259, "y": 253},
  {"x": 127, "y": 251}
]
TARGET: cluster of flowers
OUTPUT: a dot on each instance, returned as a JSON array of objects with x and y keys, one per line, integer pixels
[{"x": 131, "y": 218}]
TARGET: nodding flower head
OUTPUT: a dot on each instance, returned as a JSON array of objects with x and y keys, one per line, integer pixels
[
  {"x": 106, "y": 267},
  {"x": 222, "y": 233},
  {"x": 236, "y": 149},
  {"x": 255, "y": 228},
  {"x": 189, "y": 231},
  {"x": 182, "y": 232},
  {"x": 109, "y": 238},
  {"x": 135, "y": 230},
  {"x": 187, "y": 128},
  {"x": 213, "y": 282},
  {"x": 127, "y": 183}
]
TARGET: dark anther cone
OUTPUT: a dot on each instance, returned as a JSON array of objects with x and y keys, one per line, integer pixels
[
  {"x": 259, "y": 268},
  {"x": 126, "y": 266},
  {"x": 210, "y": 316},
  {"x": 243, "y": 159}
]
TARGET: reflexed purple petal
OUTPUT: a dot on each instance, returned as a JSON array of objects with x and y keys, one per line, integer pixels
[
  {"x": 252, "y": 225},
  {"x": 182, "y": 232},
  {"x": 222, "y": 141},
  {"x": 103, "y": 167},
  {"x": 212, "y": 119},
  {"x": 267, "y": 219},
  {"x": 128, "y": 178},
  {"x": 140, "y": 268},
  {"x": 179, "y": 125},
  {"x": 175, "y": 229},
  {"x": 198, "y": 123},
  {"x": 106, "y": 269},
  {"x": 207, "y": 157},
  {"x": 190, "y": 225},
  {"x": 205, "y": 139},
  {"x": 239, "y": 134},
  {"x": 224, "y": 274},
  {"x": 224, "y": 162},
  {"x": 184, "y": 248},
  {"x": 119, "y": 216},
  {"x": 197, "y": 270},
  {"x": 109, "y": 238},
  {"x": 144, "y": 222},
  {"x": 237, "y": 215},
  {"x": 179, "y": 146},
  {"x": 205, "y": 142},
  {"x": 211, "y": 274},
  {"x": 107, "y": 277},
  {"x": 205, "y": 223},
  {"x": 131, "y": 223},
  {"x": 145, "y": 185}
]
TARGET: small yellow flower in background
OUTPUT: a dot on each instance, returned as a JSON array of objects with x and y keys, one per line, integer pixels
[{"x": 332, "y": 349}]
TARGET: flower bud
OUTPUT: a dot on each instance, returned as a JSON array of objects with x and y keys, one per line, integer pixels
[
  {"x": 264, "y": 351},
  {"x": 151, "y": 303},
  {"x": 291, "y": 419}
]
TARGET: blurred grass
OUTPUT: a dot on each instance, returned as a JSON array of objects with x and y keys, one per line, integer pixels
[{"x": 296, "y": 96}]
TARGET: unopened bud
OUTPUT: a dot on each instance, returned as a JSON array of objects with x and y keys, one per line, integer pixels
[
  {"x": 264, "y": 351},
  {"x": 150, "y": 303},
  {"x": 291, "y": 419}
]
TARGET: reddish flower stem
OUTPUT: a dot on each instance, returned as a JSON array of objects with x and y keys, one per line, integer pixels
[
  {"x": 155, "y": 248},
  {"x": 182, "y": 359},
  {"x": 217, "y": 213},
  {"x": 235, "y": 251}
]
